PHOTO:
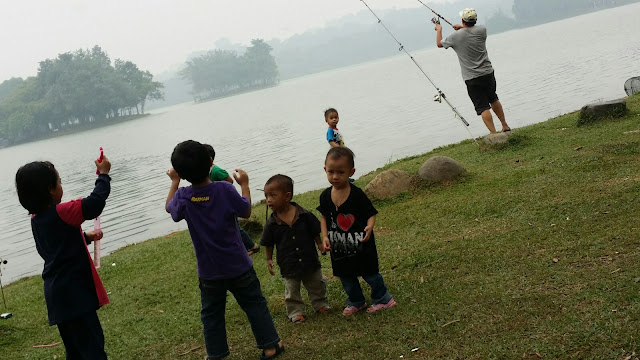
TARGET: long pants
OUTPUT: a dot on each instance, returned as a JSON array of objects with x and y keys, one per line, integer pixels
[
  {"x": 246, "y": 289},
  {"x": 316, "y": 286},
  {"x": 355, "y": 297},
  {"x": 83, "y": 338}
]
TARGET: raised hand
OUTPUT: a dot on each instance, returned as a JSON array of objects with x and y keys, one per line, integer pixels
[
  {"x": 173, "y": 175},
  {"x": 103, "y": 166},
  {"x": 241, "y": 177}
]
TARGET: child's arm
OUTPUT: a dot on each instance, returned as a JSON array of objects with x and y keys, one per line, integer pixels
[
  {"x": 320, "y": 244},
  {"x": 325, "y": 234},
  {"x": 334, "y": 144},
  {"x": 243, "y": 180},
  {"x": 269, "y": 253},
  {"x": 93, "y": 204},
  {"x": 369, "y": 228},
  {"x": 175, "y": 182}
]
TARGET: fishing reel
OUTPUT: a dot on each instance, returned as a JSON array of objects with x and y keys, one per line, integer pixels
[
  {"x": 435, "y": 20},
  {"x": 437, "y": 98}
]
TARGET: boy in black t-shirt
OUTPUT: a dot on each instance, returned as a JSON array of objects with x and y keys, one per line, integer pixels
[
  {"x": 348, "y": 218},
  {"x": 294, "y": 232}
]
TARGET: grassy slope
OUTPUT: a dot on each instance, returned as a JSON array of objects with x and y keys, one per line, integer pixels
[{"x": 530, "y": 255}]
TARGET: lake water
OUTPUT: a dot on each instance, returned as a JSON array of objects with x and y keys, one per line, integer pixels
[{"x": 386, "y": 112}]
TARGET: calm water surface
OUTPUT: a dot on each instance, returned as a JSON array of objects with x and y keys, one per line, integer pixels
[{"x": 386, "y": 112}]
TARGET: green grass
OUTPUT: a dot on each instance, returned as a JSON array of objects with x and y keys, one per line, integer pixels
[{"x": 533, "y": 254}]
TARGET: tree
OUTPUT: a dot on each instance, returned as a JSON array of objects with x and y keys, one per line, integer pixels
[
  {"x": 220, "y": 72},
  {"x": 76, "y": 87}
]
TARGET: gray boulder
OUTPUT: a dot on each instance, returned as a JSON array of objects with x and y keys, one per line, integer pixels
[
  {"x": 497, "y": 138},
  {"x": 388, "y": 183},
  {"x": 594, "y": 112},
  {"x": 440, "y": 168}
]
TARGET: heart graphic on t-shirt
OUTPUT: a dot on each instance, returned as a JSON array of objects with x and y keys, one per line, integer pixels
[{"x": 346, "y": 221}]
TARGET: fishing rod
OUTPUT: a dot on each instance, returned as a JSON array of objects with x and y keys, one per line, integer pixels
[
  {"x": 434, "y": 20},
  {"x": 440, "y": 95}
]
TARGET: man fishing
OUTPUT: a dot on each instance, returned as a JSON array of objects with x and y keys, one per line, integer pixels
[{"x": 469, "y": 42}]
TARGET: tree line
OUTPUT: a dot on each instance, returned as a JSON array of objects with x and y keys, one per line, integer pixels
[
  {"x": 534, "y": 12},
  {"x": 76, "y": 88},
  {"x": 222, "y": 72}
]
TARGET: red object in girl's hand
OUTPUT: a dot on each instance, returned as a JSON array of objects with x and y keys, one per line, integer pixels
[{"x": 100, "y": 159}]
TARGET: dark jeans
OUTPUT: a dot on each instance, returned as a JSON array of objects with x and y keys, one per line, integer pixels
[
  {"x": 246, "y": 239},
  {"x": 355, "y": 297},
  {"x": 83, "y": 338},
  {"x": 246, "y": 289}
]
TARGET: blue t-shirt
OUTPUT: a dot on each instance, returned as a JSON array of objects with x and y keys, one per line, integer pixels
[
  {"x": 334, "y": 135},
  {"x": 211, "y": 213}
]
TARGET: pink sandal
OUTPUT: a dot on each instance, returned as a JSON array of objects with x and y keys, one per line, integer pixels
[
  {"x": 350, "y": 310},
  {"x": 377, "y": 307}
]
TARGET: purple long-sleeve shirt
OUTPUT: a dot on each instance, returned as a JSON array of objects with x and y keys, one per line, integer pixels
[{"x": 211, "y": 213}]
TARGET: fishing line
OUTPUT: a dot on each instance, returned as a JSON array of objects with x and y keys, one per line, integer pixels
[
  {"x": 440, "y": 95},
  {"x": 438, "y": 15}
]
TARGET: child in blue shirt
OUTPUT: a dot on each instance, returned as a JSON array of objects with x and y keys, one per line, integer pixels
[{"x": 333, "y": 134}]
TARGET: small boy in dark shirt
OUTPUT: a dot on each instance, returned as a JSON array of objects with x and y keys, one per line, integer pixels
[{"x": 294, "y": 232}]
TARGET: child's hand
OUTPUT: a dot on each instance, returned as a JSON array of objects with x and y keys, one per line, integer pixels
[
  {"x": 368, "y": 229},
  {"x": 326, "y": 244},
  {"x": 321, "y": 247},
  {"x": 104, "y": 166},
  {"x": 94, "y": 235},
  {"x": 241, "y": 177},
  {"x": 173, "y": 175},
  {"x": 270, "y": 267}
]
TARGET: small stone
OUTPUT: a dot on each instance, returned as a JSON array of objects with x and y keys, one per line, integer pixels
[{"x": 440, "y": 168}]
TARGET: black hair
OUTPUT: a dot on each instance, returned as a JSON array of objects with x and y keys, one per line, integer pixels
[
  {"x": 212, "y": 153},
  {"x": 191, "y": 160},
  {"x": 469, "y": 23},
  {"x": 329, "y": 111},
  {"x": 34, "y": 182},
  {"x": 284, "y": 182},
  {"x": 340, "y": 152}
]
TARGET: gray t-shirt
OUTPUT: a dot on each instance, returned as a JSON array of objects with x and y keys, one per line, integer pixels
[{"x": 470, "y": 46}]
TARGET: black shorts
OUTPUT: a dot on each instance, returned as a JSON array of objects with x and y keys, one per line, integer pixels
[{"x": 482, "y": 91}]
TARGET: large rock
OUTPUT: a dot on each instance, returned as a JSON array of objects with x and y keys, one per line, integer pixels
[
  {"x": 497, "y": 138},
  {"x": 594, "y": 112},
  {"x": 440, "y": 168},
  {"x": 388, "y": 184}
]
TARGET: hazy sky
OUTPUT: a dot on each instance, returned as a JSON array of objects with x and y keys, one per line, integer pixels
[{"x": 155, "y": 34}]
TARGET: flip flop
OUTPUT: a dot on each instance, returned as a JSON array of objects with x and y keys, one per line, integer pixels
[{"x": 279, "y": 350}]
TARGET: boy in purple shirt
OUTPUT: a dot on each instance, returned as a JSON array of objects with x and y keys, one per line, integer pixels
[{"x": 211, "y": 210}]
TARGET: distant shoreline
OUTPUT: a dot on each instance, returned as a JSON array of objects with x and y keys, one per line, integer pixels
[{"x": 76, "y": 129}]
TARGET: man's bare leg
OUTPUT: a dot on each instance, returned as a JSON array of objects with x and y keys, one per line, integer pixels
[
  {"x": 488, "y": 121},
  {"x": 497, "y": 108}
]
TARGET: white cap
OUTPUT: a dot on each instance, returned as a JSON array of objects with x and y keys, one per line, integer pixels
[{"x": 469, "y": 15}]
